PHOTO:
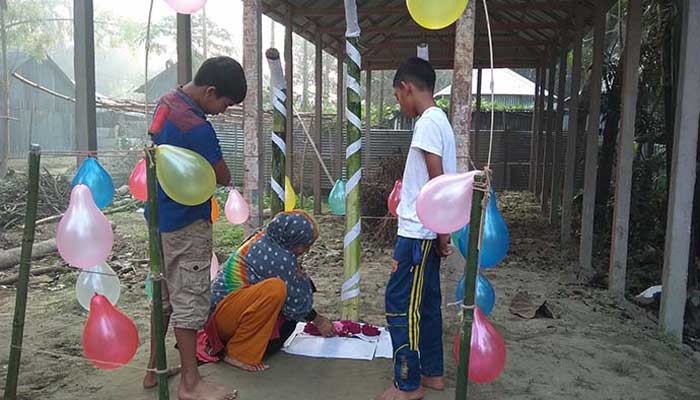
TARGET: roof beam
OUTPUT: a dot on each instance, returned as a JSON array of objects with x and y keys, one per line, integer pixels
[{"x": 414, "y": 28}]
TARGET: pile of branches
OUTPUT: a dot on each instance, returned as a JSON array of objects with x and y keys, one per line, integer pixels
[
  {"x": 54, "y": 194},
  {"x": 376, "y": 187}
]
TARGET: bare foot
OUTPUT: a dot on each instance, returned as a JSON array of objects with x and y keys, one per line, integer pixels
[
  {"x": 394, "y": 393},
  {"x": 246, "y": 367},
  {"x": 206, "y": 391},
  {"x": 433, "y": 382},
  {"x": 151, "y": 379}
]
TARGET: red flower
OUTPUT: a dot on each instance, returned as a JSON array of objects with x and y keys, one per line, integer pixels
[{"x": 370, "y": 330}]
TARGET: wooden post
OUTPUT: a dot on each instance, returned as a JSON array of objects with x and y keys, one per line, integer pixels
[
  {"x": 4, "y": 94},
  {"x": 591, "y": 167},
  {"x": 680, "y": 204},
  {"x": 556, "y": 150},
  {"x": 470, "y": 276},
  {"x": 23, "y": 279},
  {"x": 184, "y": 48},
  {"x": 155, "y": 257},
  {"x": 461, "y": 100},
  {"x": 625, "y": 151},
  {"x": 278, "y": 88},
  {"x": 319, "y": 122},
  {"x": 541, "y": 120},
  {"x": 340, "y": 107},
  {"x": 251, "y": 112},
  {"x": 572, "y": 136},
  {"x": 548, "y": 144},
  {"x": 477, "y": 117},
  {"x": 289, "y": 75},
  {"x": 84, "y": 66},
  {"x": 533, "y": 137},
  {"x": 350, "y": 293},
  {"x": 368, "y": 117}
]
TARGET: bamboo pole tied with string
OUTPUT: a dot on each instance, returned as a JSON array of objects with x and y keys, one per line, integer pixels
[{"x": 278, "y": 97}]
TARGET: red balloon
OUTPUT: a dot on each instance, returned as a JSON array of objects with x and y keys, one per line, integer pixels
[
  {"x": 137, "y": 181},
  {"x": 487, "y": 357},
  {"x": 395, "y": 198},
  {"x": 110, "y": 338}
]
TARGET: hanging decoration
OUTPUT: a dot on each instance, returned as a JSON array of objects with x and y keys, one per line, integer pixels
[
  {"x": 444, "y": 203},
  {"x": 487, "y": 357},
  {"x": 175, "y": 165},
  {"x": 110, "y": 338},
  {"x": 186, "y": 6},
  {"x": 100, "y": 279},
  {"x": 495, "y": 237},
  {"x": 94, "y": 176},
  {"x": 290, "y": 198},
  {"x": 392, "y": 202},
  {"x": 214, "y": 210},
  {"x": 431, "y": 14},
  {"x": 84, "y": 237},
  {"x": 485, "y": 294},
  {"x": 137, "y": 181},
  {"x": 336, "y": 200},
  {"x": 215, "y": 266},
  {"x": 236, "y": 209}
]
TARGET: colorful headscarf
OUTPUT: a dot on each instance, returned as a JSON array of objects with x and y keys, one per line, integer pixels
[{"x": 269, "y": 254}]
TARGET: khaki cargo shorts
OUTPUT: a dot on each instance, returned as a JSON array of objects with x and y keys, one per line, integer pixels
[{"x": 187, "y": 260}]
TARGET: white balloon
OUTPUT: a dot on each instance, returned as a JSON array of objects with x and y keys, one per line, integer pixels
[{"x": 99, "y": 279}]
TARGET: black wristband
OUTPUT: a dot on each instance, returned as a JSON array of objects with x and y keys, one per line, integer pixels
[{"x": 311, "y": 315}]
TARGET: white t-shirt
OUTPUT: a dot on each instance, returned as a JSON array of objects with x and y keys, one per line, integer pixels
[{"x": 433, "y": 134}]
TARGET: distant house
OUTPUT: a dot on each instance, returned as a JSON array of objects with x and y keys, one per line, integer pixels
[
  {"x": 165, "y": 80},
  {"x": 37, "y": 116},
  {"x": 511, "y": 90}
]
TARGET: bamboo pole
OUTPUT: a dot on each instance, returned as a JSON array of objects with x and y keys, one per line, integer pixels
[
  {"x": 350, "y": 294},
  {"x": 278, "y": 97},
  {"x": 470, "y": 274},
  {"x": 155, "y": 252},
  {"x": 23, "y": 280}
]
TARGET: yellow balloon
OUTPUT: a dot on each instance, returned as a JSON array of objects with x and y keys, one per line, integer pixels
[
  {"x": 184, "y": 175},
  {"x": 290, "y": 198},
  {"x": 432, "y": 14}
]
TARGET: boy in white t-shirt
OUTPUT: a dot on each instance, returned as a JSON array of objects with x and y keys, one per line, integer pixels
[{"x": 413, "y": 297}]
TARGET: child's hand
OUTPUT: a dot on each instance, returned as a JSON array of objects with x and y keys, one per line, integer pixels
[{"x": 443, "y": 246}]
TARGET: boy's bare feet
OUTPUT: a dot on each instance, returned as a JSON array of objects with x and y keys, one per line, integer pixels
[
  {"x": 433, "y": 382},
  {"x": 205, "y": 391},
  {"x": 151, "y": 379},
  {"x": 246, "y": 367},
  {"x": 394, "y": 393}
]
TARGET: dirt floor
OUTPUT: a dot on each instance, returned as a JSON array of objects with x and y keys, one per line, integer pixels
[{"x": 593, "y": 348}]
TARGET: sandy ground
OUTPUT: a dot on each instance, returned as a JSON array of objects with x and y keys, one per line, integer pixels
[{"x": 592, "y": 349}]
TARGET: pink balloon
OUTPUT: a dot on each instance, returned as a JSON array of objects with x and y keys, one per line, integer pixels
[
  {"x": 395, "y": 198},
  {"x": 186, "y": 6},
  {"x": 215, "y": 266},
  {"x": 236, "y": 208},
  {"x": 110, "y": 338},
  {"x": 84, "y": 236},
  {"x": 487, "y": 357},
  {"x": 137, "y": 181},
  {"x": 444, "y": 204}
]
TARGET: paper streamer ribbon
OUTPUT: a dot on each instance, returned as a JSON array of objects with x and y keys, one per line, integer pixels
[
  {"x": 279, "y": 142},
  {"x": 352, "y": 235},
  {"x": 353, "y": 148},
  {"x": 278, "y": 189},
  {"x": 353, "y": 181}
]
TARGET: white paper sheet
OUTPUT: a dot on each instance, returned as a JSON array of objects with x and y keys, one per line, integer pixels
[{"x": 354, "y": 348}]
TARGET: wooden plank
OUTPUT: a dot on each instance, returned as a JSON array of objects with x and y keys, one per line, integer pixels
[
  {"x": 184, "y": 49},
  {"x": 84, "y": 66},
  {"x": 680, "y": 204},
  {"x": 591, "y": 166},
  {"x": 252, "y": 107},
  {"x": 555, "y": 205},
  {"x": 462, "y": 86},
  {"x": 340, "y": 109},
  {"x": 572, "y": 137},
  {"x": 548, "y": 144},
  {"x": 541, "y": 120},
  {"x": 625, "y": 152},
  {"x": 533, "y": 137},
  {"x": 289, "y": 75},
  {"x": 318, "y": 121},
  {"x": 402, "y": 11}
]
